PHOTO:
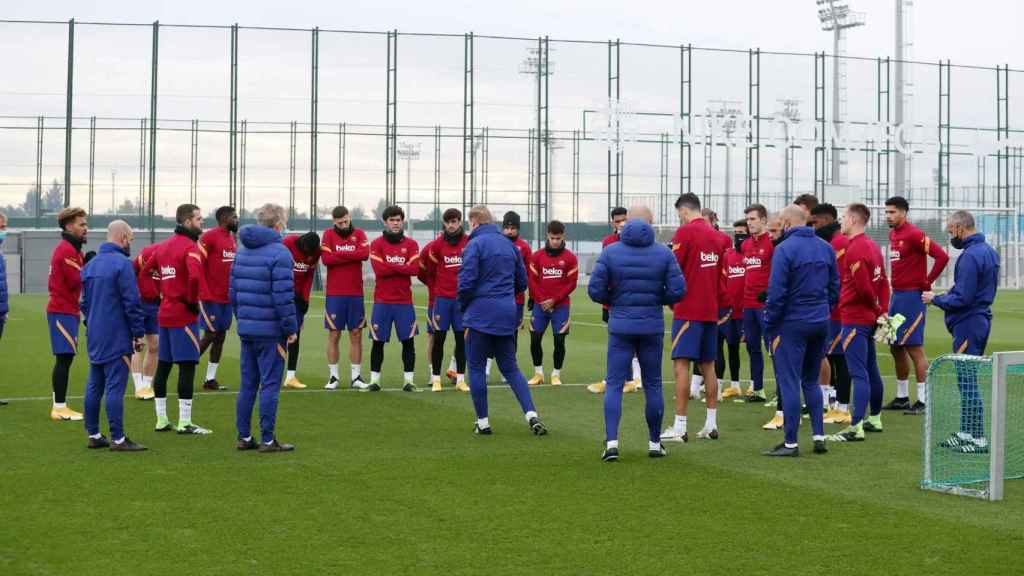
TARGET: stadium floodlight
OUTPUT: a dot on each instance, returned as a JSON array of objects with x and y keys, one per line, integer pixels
[
  {"x": 837, "y": 17},
  {"x": 408, "y": 152}
]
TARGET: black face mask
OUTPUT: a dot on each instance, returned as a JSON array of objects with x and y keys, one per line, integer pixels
[
  {"x": 181, "y": 229},
  {"x": 739, "y": 239},
  {"x": 76, "y": 242},
  {"x": 513, "y": 238},
  {"x": 232, "y": 226},
  {"x": 127, "y": 250},
  {"x": 777, "y": 241},
  {"x": 553, "y": 251},
  {"x": 394, "y": 238},
  {"x": 453, "y": 239},
  {"x": 344, "y": 232},
  {"x": 956, "y": 242}
]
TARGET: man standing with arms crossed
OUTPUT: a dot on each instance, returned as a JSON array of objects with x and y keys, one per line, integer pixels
[
  {"x": 492, "y": 274},
  {"x": 695, "y": 317},
  {"x": 181, "y": 267},
  {"x": 968, "y": 308},
  {"x": 343, "y": 249},
  {"x": 552, "y": 275},
  {"x": 636, "y": 277},
  {"x": 218, "y": 246},
  {"x": 62, "y": 310},
  {"x": 909, "y": 249},
  {"x": 444, "y": 259},
  {"x": 114, "y": 329},
  {"x": 864, "y": 293}
]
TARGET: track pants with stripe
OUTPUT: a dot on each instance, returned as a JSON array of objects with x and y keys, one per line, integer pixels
[
  {"x": 797, "y": 353},
  {"x": 862, "y": 361},
  {"x": 262, "y": 364},
  {"x": 108, "y": 379},
  {"x": 621, "y": 349}
]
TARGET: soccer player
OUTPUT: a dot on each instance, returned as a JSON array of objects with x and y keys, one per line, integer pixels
[
  {"x": 217, "y": 246},
  {"x": 553, "y": 274},
  {"x": 757, "y": 263},
  {"x": 510, "y": 224},
  {"x": 62, "y": 310},
  {"x": 3, "y": 280},
  {"x": 724, "y": 311},
  {"x": 968, "y": 309},
  {"x": 144, "y": 361},
  {"x": 637, "y": 276},
  {"x": 395, "y": 260},
  {"x": 492, "y": 274},
  {"x": 305, "y": 251},
  {"x": 699, "y": 253},
  {"x": 444, "y": 259},
  {"x": 909, "y": 249},
  {"x": 262, "y": 295},
  {"x": 343, "y": 249},
  {"x": 803, "y": 288},
  {"x": 807, "y": 203},
  {"x": 864, "y": 293},
  {"x": 181, "y": 268},
  {"x": 837, "y": 378},
  {"x": 618, "y": 220},
  {"x": 731, "y": 331},
  {"x": 114, "y": 329}
]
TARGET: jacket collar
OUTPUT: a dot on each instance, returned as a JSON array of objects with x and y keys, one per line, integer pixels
[
  {"x": 110, "y": 247},
  {"x": 484, "y": 229}
]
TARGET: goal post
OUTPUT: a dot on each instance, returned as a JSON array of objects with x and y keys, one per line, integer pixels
[{"x": 974, "y": 424}]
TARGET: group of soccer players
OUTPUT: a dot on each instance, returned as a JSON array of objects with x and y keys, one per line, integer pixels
[{"x": 183, "y": 283}]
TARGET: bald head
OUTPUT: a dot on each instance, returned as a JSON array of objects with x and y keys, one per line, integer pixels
[
  {"x": 120, "y": 233},
  {"x": 641, "y": 213},
  {"x": 793, "y": 215}
]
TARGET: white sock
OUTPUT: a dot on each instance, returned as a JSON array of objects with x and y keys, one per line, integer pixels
[
  {"x": 460, "y": 378},
  {"x": 147, "y": 381},
  {"x": 680, "y": 423},
  {"x": 161, "y": 407},
  {"x": 452, "y": 365},
  {"x": 137, "y": 380},
  {"x": 844, "y": 407},
  {"x": 695, "y": 382},
  {"x": 922, "y": 392},
  {"x": 290, "y": 375},
  {"x": 95, "y": 436},
  {"x": 636, "y": 368},
  {"x": 184, "y": 411},
  {"x": 119, "y": 440},
  {"x": 487, "y": 368},
  {"x": 374, "y": 377},
  {"x": 211, "y": 371},
  {"x": 611, "y": 444},
  {"x": 354, "y": 371},
  {"x": 779, "y": 414},
  {"x": 483, "y": 423},
  {"x": 711, "y": 421},
  {"x": 538, "y": 370},
  {"x": 818, "y": 437},
  {"x": 435, "y": 378},
  {"x": 793, "y": 445},
  {"x": 824, "y": 395},
  {"x": 408, "y": 377},
  {"x": 530, "y": 415},
  {"x": 556, "y": 372},
  {"x": 902, "y": 388},
  {"x": 735, "y": 385},
  {"x": 334, "y": 370},
  {"x": 60, "y": 405},
  {"x": 653, "y": 446}
]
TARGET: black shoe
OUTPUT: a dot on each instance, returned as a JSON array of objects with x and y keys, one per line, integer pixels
[
  {"x": 756, "y": 397},
  {"x": 782, "y": 450},
  {"x": 100, "y": 442},
  {"x": 869, "y": 427},
  {"x": 659, "y": 453},
  {"x": 275, "y": 446},
  {"x": 374, "y": 387},
  {"x": 898, "y": 404},
  {"x": 3, "y": 402},
  {"x": 244, "y": 444},
  {"x": 610, "y": 455},
  {"x": 482, "y": 431},
  {"x": 819, "y": 447},
  {"x": 127, "y": 445},
  {"x": 537, "y": 427},
  {"x": 916, "y": 410},
  {"x": 409, "y": 387},
  {"x": 213, "y": 385}
]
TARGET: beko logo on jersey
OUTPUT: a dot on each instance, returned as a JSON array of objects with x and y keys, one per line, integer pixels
[
  {"x": 228, "y": 256},
  {"x": 344, "y": 247},
  {"x": 708, "y": 259},
  {"x": 452, "y": 261},
  {"x": 168, "y": 272},
  {"x": 552, "y": 272},
  {"x": 301, "y": 267},
  {"x": 894, "y": 254},
  {"x": 735, "y": 271},
  {"x": 752, "y": 262},
  {"x": 394, "y": 259}
]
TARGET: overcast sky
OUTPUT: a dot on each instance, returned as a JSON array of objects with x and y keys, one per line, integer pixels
[{"x": 112, "y": 73}]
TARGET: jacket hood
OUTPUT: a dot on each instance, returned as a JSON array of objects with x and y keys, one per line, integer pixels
[
  {"x": 976, "y": 238},
  {"x": 801, "y": 231},
  {"x": 637, "y": 233},
  {"x": 484, "y": 229},
  {"x": 110, "y": 247},
  {"x": 253, "y": 236}
]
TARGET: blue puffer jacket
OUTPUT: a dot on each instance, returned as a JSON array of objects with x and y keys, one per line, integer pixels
[
  {"x": 636, "y": 278},
  {"x": 3, "y": 285},
  {"x": 111, "y": 305},
  {"x": 804, "y": 284},
  {"x": 975, "y": 280},
  {"x": 492, "y": 273},
  {"x": 261, "y": 291}
]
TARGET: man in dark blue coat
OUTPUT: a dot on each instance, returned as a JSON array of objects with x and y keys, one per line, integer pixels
[
  {"x": 802, "y": 290},
  {"x": 492, "y": 274},
  {"x": 262, "y": 294},
  {"x": 3, "y": 280},
  {"x": 115, "y": 325},
  {"x": 968, "y": 308},
  {"x": 635, "y": 277}
]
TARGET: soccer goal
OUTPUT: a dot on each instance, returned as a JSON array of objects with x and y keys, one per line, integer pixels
[{"x": 974, "y": 424}]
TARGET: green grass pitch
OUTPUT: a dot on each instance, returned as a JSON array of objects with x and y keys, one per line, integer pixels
[{"x": 396, "y": 483}]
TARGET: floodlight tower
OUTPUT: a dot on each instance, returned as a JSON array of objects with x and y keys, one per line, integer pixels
[
  {"x": 904, "y": 95},
  {"x": 538, "y": 63},
  {"x": 727, "y": 111},
  {"x": 408, "y": 152},
  {"x": 789, "y": 108},
  {"x": 836, "y": 17}
]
